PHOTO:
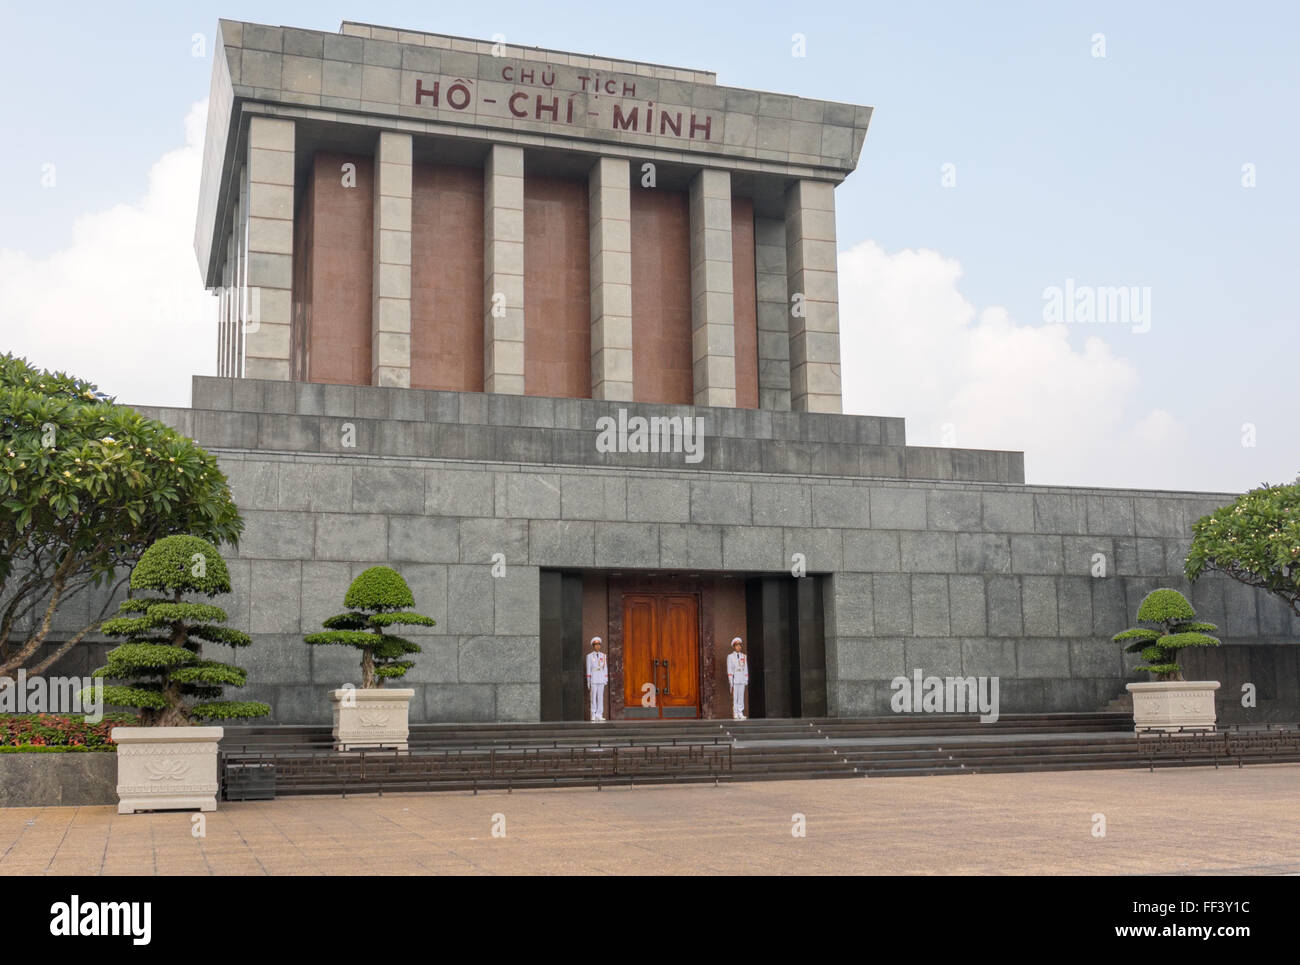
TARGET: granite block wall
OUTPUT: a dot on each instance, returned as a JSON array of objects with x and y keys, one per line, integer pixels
[{"x": 948, "y": 578}]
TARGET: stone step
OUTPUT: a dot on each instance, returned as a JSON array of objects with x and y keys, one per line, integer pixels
[
  {"x": 1121, "y": 705},
  {"x": 578, "y": 754},
  {"x": 671, "y": 728}
]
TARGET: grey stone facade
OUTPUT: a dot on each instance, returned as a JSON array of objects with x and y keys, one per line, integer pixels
[
  {"x": 971, "y": 576},
  {"x": 281, "y": 95},
  {"x": 369, "y": 75}
]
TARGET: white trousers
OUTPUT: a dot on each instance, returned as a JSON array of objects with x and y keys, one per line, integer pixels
[
  {"x": 738, "y": 700},
  {"x": 597, "y": 701}
]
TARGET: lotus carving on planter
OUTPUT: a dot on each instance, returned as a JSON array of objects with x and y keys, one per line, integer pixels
[
  {"x": 1169, "y": 703},
  {"x": 374, "y": 716},
  {"x": 168, "y": 770}
]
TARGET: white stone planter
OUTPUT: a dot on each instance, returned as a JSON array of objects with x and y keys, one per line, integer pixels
[
  {"x": 1173, "y": 705},
  {"x": 371, "y": 718},
  {"x": 166, "y": 768}
]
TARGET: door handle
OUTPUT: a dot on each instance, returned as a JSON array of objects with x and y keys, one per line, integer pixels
[{"x": 667, "y": 680}]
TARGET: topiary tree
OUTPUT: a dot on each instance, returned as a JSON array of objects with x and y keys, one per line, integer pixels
[
  {"x": 86, "y": 485},
  {"x": 1255, "y": 540},
  {"x": 378, "y": 598},
  {"x": 1173, "y": 627},
  {"x": 161, "y": 663}
]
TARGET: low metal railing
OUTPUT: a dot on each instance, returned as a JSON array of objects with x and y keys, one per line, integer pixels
[
  {"x": 370, "y": 771},
  {"x": 1231, "y": 745}
]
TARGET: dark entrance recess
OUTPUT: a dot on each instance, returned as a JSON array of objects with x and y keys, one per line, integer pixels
[
  {"x": 784, "y": 637},
  {"x": 787, "y": 646},
  {"x": 564, "y": 692}
]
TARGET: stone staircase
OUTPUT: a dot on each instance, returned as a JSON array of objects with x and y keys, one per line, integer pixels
[
  {"x": 558, "y": 754},
  {"x": 569, "y": 754}
]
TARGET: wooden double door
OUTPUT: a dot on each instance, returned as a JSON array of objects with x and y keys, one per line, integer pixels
[{"x": 661, "y": 655}]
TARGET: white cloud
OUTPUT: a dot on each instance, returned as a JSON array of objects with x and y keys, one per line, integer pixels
[
  {"x": 123, "y": 304},
  {"x": 914, "y": 346}
]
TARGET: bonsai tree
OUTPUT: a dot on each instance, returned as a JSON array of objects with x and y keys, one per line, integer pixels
[
  {"x": 86, "y": 485},
  {"x": 161, "y": 664},
  {"x": 1172, "y": 626},
  {"x": 1255, "y": 540},
  {"x": 377, "y": 599}
]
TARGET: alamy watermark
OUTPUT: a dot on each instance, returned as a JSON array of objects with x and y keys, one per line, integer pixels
[
  {"x": 53, "y": 695},
  {"x": 920, "y": 694},
  {"x": 1087, "y": 305},
  {"x": 684, "y": 434},
  {"x": 129, "y": 919}
]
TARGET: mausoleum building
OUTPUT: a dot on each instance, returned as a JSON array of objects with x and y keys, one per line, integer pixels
[{"x": 557, "y": 337}]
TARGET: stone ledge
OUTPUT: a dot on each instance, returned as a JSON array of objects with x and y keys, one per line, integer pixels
[
  {"x": 273, "y": 397},
  {"x": 482, "y": 428},
  {"x": 58, "y": 779}
]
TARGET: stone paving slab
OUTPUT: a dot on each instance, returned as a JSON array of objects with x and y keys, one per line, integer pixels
[{"x": 977, "y": 824}]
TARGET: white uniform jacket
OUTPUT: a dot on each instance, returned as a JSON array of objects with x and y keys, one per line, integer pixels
[
  {"x": 597, "y": 668},
  {"x": 737, "y": 669}
]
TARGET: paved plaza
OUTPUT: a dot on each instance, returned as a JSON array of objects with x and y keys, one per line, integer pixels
[{"x": 1230, "y": 821}]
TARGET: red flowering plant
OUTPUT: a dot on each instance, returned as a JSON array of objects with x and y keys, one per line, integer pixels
[{"x": 28, "y": 731}]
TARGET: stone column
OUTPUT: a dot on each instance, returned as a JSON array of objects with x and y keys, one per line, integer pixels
[
  {"x": 773, "y": 305},
  {"x": 390, "y": 292},
  {"x": 814, "y": 297},
  {"x": 223, "y": 305},
  {"x": 270, "y": 248},
  {"x": 503, "y": 270},
  {"x": 713, "y": 314},
  {"x": 239, "y": 285},
  {"x": 229, "y": 315},
  {"x": 609, "y": 215}
]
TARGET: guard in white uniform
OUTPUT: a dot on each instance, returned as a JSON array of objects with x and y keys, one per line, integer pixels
[
  {"x": 597, "y": 677},
  {"x": 737, "y": 678}
]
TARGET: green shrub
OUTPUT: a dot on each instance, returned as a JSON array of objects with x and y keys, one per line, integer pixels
[
  {"x": 164, "y": 673},
  {"x": 1171, "y": 626},
  {"x": 379, "y": 588},
  {"x": 376, "y": 599}
]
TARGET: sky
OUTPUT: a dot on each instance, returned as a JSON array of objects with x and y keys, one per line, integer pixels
[{"x": 1024, "y": 161}]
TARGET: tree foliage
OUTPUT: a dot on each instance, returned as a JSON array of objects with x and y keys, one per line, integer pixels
[
  {"x": 1171, "y": 625},
  {"x": 161, "y": 666},
  {"x": 1255, "y": 540},
  {"x": 85, "y": 486},
  {"x": 377, "y": 598}
]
